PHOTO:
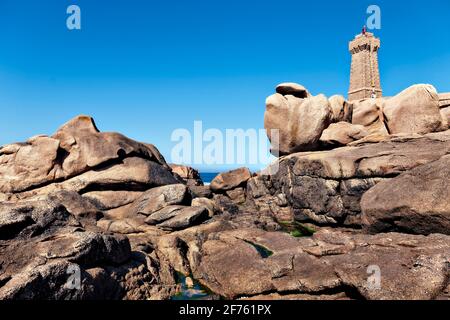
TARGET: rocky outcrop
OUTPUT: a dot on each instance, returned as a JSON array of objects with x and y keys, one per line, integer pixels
[
  {"x": 83, "y": 201},
  {"x": 185, "y": 218},
  {"x": 369, "y": 114},
  {"x": 207, "y": 203},
  {"x": 414, "y": 110},
  {"x": 342, "y": 133},
  {"x": 342, "y": 110},
  {"x": 444, "y": 105},
  {"x": 414, "y": 202},
  {"x": 252, "y": 263},
  {"x": 293, "y": 89},
  {"x": 131, "y": 174},
  {"x": 230, "y": 190},
  {"x": 295, "y": 123},
  {"x": 445, "y": 113},
  {"x": 116, "y": 222},
  {"x": 47, "y": 253},
  {"x": 188, "y": 174},
  {"x": 77, "y": 147},
  {"x": 384, "y": 138},
  {"x": 230, "y": 180},
  {"x": 326, "y": 187},
  {"x": 191, "y": 177}
]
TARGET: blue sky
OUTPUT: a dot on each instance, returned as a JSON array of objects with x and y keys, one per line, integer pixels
[{"x": 145, "y": 68}]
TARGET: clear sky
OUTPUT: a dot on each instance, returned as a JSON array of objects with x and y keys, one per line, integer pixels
[{"x": 145, "y": 68}]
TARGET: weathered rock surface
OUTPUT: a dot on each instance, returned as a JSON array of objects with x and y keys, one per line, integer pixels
[
  {"x": 445, "y": 113},
  {"x": 230, "y": 180},
  {"x": 153, "y": 207},
  {"x": 414, "y": 110},
  {"x": 293, "y": 89},
  {"x": 249, "y": 263},
  {"x": 178, "y": 217},
  {"x": 342, "y": 133},
  {"x": 187, "y": 174},
  {"x": 265, "y": 197},
  {"x": 414, "y": 202},
  {"x": 277, "y": 111},
  {"x": 369, "y": 113},
  {"x": 158, "y": 198},
  {"x": 164, "y": 214},
  {"x": 125, "y": 222},
  {"x": 295, "y": 124},
  {"x": 201, "y": 191},
  {"x": 55, "y": 189},
  {"x": 326, "y": 187},
  {"x": 77, "y": 147},
  {"x": 342, "y": 110},
  {"x": 207, "y": 203},
  {"x": 237, "y": 195},
  {"x": 110, "y": 199},
  {"x": 295, "y": 120},
  {"x": 43, "y": 245},
  {"x": 186, "y": 217},
  {"x": 131, "y": 174}
]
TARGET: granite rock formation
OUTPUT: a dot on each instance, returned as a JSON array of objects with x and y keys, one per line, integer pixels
[
  {"x": 110, "y": 212},
  {"x": 297, "y": 123},
  {"x": 310, "y": 123}
]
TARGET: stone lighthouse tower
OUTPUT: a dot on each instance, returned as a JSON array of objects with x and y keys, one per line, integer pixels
[{"x": 364, "y": 73}]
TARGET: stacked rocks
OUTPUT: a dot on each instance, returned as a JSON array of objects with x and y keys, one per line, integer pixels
[{"x": 297, "y": 121}]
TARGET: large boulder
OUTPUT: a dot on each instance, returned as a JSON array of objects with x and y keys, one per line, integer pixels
[
  {"x": 444, "y": 99},
  {"x": 414, "y": 110},
  {"x": 295, "y": 124},
  {"x": 342, "y": 133},
  {"x": 157, "y": 198},
  {"x": 278, "y": 111},
  {"x": 131, "y": 218},
  {"x": 230, "y": 180},
  {"x": 26, "y": 218},
  {"x": 87, "y": 147},
  {"x": 133, "y": 173},
  {"x": 188, "y": 174},
  {"x": 200, "y": 191},
  {"x": 414, "y": 202},
  {"x": 23, "y": 165},
  {"x": 164, "y": 214},
  {"x": 76, "y": 148},
  {"x": 369, "y": 114},
  {"x": 110, "y": 199},
  {"x": 293, "y": 89},
  {"x": 313, "y": 116},
  {"x": 445, "y": 113},
  {"x": 295, "y": 120},
  {"x": 342, "y": 110},
  {"x": 185, "y": 218},
  {"x": 207, "y": 203}
]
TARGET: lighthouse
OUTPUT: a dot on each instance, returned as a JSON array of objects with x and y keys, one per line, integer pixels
[{"x": 364, "y": 72}]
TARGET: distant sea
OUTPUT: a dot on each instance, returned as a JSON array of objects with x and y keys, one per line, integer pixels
[{"x": 208, "y": 176}]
